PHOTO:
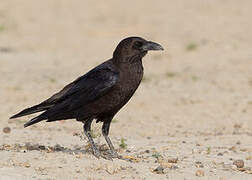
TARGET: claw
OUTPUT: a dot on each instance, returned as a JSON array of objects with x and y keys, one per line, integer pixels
[
  {"x": 108, "y": 157},
  {"x": 96, "y": 153},
  {"x": 114, "y": 154}
]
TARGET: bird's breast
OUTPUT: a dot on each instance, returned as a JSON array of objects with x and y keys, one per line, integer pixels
[
  {"x": 128, "y": 82},
  {"x": 130, "y": 78}
]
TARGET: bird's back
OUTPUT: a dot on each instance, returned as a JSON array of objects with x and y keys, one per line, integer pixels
[{"x": 130, "y": 76}]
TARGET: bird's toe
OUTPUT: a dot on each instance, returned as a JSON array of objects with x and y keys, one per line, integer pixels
[
  {"x": 114, "y": 154},
  {"x": 96, "y": 153}
]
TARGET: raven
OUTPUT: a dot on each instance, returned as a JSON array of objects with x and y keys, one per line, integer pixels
[{"x": 100, "y": 93}]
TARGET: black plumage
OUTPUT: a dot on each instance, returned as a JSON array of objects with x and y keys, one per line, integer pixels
[{"x": 100, "y": 93}]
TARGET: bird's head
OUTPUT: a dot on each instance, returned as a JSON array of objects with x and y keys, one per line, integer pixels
[{"x": 134, "y": 48}]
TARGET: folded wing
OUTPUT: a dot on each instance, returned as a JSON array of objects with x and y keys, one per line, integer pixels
[{"x": 80, "y": 92}]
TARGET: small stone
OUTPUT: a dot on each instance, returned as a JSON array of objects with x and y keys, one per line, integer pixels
[
  {"x": 159, "y": 170},
  {"x": 249, "y": 171},
  {"x": 200, "y": 173},
  {"x": 147, "y": 151},
  {"x": 132, "y": 159},
  {"x": 233, "y": 148},
  {"x": 41, "y": 147},
  {"x": 246, "y": 150},
  {"x": 165, "y": 164},
  {"x": 77, "y": 147},
  {"x": 7, "y": 130},
  {"x": 174, "y": 167},
  {"x": 239, "y": 163},
  {"x": 220, "y": 154},
  {"x": 76, "y": 134},
  {"x": 58, "y": 147},
  {"x": 241, "y": 169},
  {"x": 179, "y": 126},
  {"x": 237, "y": 126},
  {"x": 27, "y": 165},
  {"x": 29, "y": 146},
  {"x": 173, "y": 160},
  {"x": 103, "y": 147},
  {"x": 199, "y": 164}
]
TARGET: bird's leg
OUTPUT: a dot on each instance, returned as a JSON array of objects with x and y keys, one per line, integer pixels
[
  {"x": 105, "y": 132},
  {"x": 87, "y": 131}
]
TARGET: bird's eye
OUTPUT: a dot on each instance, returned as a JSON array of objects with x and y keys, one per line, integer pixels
[{"x": 138, "y": 44}]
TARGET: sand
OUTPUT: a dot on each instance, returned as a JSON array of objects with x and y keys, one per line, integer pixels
[{"x": 191, "y": 118}]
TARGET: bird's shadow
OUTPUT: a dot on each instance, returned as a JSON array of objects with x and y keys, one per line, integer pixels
[
  {"x": 76, "y": 150},
  {"x": 52, "y": 149}
]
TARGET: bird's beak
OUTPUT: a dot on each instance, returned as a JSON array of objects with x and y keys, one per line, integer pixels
[{"x": 149, "y": 45}]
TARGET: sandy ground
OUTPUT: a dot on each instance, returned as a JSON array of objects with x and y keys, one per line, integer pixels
[{"x": 191, "y": 118}]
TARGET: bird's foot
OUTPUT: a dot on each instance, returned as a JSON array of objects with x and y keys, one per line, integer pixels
[
  {"x": 96, "y": 153},
  {"x": 110, "y": 156},
  {"x": 114, "y": 154}
]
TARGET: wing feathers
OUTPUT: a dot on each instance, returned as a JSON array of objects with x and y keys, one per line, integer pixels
[{"x": 85, "y": 89}]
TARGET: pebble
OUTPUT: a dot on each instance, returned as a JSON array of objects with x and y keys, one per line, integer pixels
[
  {"x": 200, "y": 173},
  {"x": 58, "y": 147},
  {"x": 174, "y": 167},
  {"x": 199, "y": 164},
  {"x": 159, "y": 170},
  {"x": 147, "y": 151},
  {"x": 239, "y": 163},
  {"x": 233, "y": 148},
  {"x": 27, "y": 165},
  {"x": 7, "y": 130}
]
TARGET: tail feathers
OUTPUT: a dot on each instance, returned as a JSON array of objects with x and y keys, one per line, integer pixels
[
  {"x": 34, "y": 120},
  {"x": 31, "y": 110}
]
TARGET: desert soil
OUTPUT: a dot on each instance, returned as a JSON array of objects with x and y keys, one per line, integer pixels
[{"x": 191, "y": 118}]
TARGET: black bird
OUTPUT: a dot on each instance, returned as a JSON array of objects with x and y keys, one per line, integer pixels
[{"x": 100, "y": 93}]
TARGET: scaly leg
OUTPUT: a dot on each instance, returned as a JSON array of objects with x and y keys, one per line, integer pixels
[
  {"x": 87, "y": 131},
  {"x": 105, "y": 132}
]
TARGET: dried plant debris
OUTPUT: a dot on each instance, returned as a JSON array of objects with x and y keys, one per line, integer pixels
[
  {"x": 159, "y": 170},
  {"x": 168, "y": 163},
  {"x": 131, "y": 159},
  {"x": 76, "y": 150},
  {"x": 16, "y": 163},
  {"x": 37, "y": 147},
  {"x": 173, "y": 160}
]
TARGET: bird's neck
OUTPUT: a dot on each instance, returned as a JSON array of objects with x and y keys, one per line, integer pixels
[{"x": 131, "y": 60}]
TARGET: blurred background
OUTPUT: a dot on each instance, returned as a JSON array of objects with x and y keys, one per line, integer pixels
[
  {"x": 203, "y": 78},
  {"x": 200, "y": 85}
]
